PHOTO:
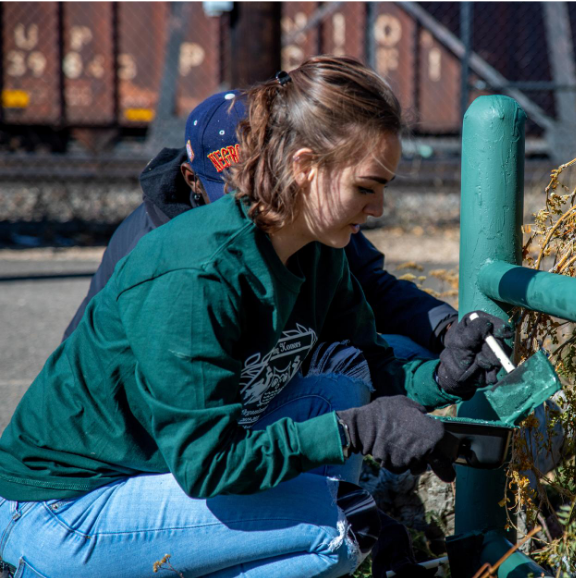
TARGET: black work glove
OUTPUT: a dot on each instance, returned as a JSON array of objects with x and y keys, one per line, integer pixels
[
  {"x": 396, "y": 432},
  {"x": 467, "y": 362}
]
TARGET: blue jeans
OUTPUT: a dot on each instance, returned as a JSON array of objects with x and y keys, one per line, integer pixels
[{"x": 120, "y": 530}]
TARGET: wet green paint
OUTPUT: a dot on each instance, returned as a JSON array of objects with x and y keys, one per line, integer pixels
[
  {"x": 492, "y": 195},
  {"x": 522, "y": 391},
  {"x": 490, "y": 229},
  {"x": 548, "y": 293},
  {"x": 472, "y": 421}
]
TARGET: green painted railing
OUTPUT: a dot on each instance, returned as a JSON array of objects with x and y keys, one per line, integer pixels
[
  {"x": 546, "y": 292},
  {"x": 493, "y": 280}
]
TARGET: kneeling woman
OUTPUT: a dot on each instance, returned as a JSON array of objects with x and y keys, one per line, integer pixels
[{"x": 165, "y": 423}]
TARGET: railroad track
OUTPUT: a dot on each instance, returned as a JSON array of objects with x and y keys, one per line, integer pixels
[
  {"x": 59, "y": 167},
  {"x": 14, "y": 167}
]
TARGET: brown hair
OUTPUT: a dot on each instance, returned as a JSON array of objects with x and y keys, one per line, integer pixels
[{"x": 332, "y": 105}]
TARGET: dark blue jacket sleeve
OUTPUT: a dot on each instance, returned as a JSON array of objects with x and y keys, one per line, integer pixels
[
  {"x": 130, "y": 231},
  {"x": 399, "y": 306}
]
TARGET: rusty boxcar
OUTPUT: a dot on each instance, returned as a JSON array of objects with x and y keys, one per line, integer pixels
[{"x": 93, "y": 71}]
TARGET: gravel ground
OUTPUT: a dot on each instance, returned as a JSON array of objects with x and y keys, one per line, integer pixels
[
  {"x": 440, "y": 246},
  {"x": 74, "y": 214},
  {"x": 418, "y": 245}
]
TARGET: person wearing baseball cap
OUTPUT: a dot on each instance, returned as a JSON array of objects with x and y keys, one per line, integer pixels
[
  {"x": 211, "y": 144},
  {"x": 175, "y": 181}
]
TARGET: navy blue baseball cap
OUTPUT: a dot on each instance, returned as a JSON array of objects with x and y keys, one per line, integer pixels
[{"x": 211, "y": 143}]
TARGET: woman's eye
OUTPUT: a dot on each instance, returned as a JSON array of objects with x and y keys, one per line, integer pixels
[{"x": 365, "y": 191}]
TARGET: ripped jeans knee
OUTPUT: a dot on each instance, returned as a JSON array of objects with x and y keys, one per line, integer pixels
[
  {"x": 358, "y": 524},
  {"x": 361, "y": 513}
]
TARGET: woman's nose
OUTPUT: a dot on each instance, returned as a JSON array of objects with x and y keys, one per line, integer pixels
[{"x": 375, "y": 207}]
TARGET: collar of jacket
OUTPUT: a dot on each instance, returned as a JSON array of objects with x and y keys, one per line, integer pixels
[{"x": 165, "y": 191}]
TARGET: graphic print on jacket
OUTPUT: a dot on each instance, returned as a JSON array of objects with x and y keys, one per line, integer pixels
[{"x": 263, "y": 378}]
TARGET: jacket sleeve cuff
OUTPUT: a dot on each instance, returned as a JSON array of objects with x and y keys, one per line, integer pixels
[
  {"x": 440, "y": 317},
  {"x": 320, "y": 441},
  {"x": 426, "y": 390}
]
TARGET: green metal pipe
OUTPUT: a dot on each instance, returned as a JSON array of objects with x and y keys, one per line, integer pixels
[
  {"x": 490, "y": 220},
  {"x": 538, "y": 290},
  {"x": 517, "y": 565},
  {"x": 490, "y": 231}
]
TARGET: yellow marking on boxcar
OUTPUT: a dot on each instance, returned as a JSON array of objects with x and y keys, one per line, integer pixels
[
  {"x": 139, "y": 114},
  {"x": 15, "y": 98}
]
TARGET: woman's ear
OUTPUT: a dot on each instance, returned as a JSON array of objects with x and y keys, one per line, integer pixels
[
  {"x": 188, "y": 175},
  {"x": 302, "y": 167}
]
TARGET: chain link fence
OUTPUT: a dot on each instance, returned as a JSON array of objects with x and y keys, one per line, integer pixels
[
  {"x": 98, "y": 74},
  {"x": 91, "y": 91}
]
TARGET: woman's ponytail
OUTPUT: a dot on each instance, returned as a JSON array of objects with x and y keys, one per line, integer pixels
[{"x": 335, "y": 106}]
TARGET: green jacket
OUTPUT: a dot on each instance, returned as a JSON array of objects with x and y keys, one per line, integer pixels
[{"x": 196, "y": 331}]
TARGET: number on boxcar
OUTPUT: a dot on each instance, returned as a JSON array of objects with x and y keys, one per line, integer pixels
[
  {"x": 388, "y": 32},
  {"x": 339, "y": 33},
  {"x": 191, "y": 55}
]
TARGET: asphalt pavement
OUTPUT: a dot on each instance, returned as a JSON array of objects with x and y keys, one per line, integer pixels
[{"x": 38, "y": 297}]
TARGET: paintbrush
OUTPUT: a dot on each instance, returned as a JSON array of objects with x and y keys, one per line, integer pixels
[{"x": 525, "y": 387}]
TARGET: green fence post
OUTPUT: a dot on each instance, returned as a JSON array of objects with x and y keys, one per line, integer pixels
[{"x": 490, "y": 229}]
